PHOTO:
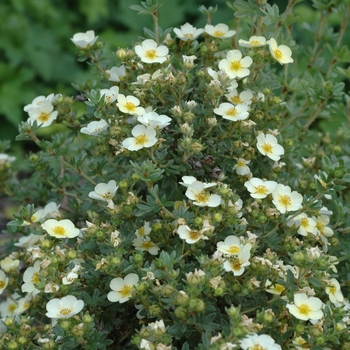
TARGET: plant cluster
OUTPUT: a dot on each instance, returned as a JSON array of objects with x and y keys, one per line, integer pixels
[{"x": 192, "y": 204}]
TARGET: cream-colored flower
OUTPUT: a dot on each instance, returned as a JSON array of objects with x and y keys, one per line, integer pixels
[
  {"x": 95, "y": 128},
  {"x": 144, "y": 137},
  {"x": 65, "y": 307},
  {"x": 196, "y": 192},
  {"x": 281, "y": 53},
  {"x": 145, "y": 244},
  {"x": 188, "y": 32},
  {"x": 122, "y": 288},
  {"x": 129, "y": 104},
  {"x": 4, "y": 280},
  {"x": 334, "y": 292},
  {"x": 105, "y": 192},
  {"x": 259, "y": 188},
  {"x": 235, "y": 65},
  {"x": 8, "y": 264},
  {"x": 237, "y": 263},
  {"x": 232, "y": 112},
  {"x": 258, "y": 342},
  {"x": 306, "y": 308},
  {"x": 285, "y": 200},
  {"x": 190, "y": 236},
  {"x": 268, "y": 146},
  {"x": 84, "y": 40},
  {"x": 150, "y": 52},
  {"x": 31, "y": 278},
  {"x": 220, "y": 31},
  {"x": 254, "y": 41},
  {"x": 60, "y": 228}
]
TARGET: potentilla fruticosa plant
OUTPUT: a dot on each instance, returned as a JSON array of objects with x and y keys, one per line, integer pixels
[{"x": 186, "y": 198}]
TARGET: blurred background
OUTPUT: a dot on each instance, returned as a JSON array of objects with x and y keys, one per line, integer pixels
[{"x": 38, "y": 58}]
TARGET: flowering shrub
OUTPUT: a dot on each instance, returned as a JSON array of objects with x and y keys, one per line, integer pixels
[{"x": 190, "y": 205}]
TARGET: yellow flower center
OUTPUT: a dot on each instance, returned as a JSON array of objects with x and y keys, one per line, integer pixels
[
  {"x": 141, "y": 139},
  {"x": 267, "y": 148},
  {"x": 202, "y": 197},
  {"x": 141, "y": 231},
  {"x": 218, "y": 33},
  {"x": 44, "y": 117},
  {"x": 151, "y": 54},
  {"x": 107, "y": 195},
  {"x": 11, "y": 308},
  {"x": 236, "y": 265},
  {"x": 35, "y": 278},
  {"x": 241, "y": 163},
  {"x": 236, "y": 65},
  {"x": 147, "y": 245},
  {"x": 304, "y": 309},
  {"x": 2, "y": 284},
  {"x": 285, "y": 200},
  {"x": 125, "y": 291},
  {"x": 304, "y": 222},
  {"x": 279, "y": 288},
  {"x": 236, "y": 99},
  {"x": 320, "y": 226},
  {"x": 332, "y": 289},
  {"x": 130, "y": 106},
  {"x": 254, "y": 42},
  {"x": 261, "y": 189},
  {"x": 278, "y": 53},
  {"x": 194, "y": 234},
  {"x": 188, "y": 35},
  {"x": 257, "y": 347},
  {"x": 233, "y": 249},
  {"x": 231, "y": 112},
  {"x": 65, "y": 311},
  {"x": 59, "y": 230}
]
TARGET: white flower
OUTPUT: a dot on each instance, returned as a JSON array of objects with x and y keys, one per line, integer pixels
[
  {"x": 261, "y": 342},
  {"x": 60, "y": 228},
  {"x": 30, "y": 278},
  {"x": 322, "y": 229},
  {"x": 28, "y": 241},
  {"x": 8, "y": 264},
  {"x": 189, "y": 180},
  {"x": 231, "y": 245},
  {"x": 188, "y": 61},
  {"x": 254, "y": 41},
  {"x": 5, "y": 158},
  {"x": 241, "y": 166},
  {"x": 306, "y": 308},
  {"x": 281, "y": 53},
  {"x": 259, "y": 188},
  {"x": 8, "y": 306},
  {"x": 275, "y": 289},
  {"x": 122, "y": 288},
  {"x": 44, "y": 114},
  {"x": 305, "y": 224},
  {"x": 84, "y": 40},
  {"x": 145, "y": 244},
  {"x": 244, "y": 97},
  {"x": 65, "y": 307},
  {"x": 334, "y": 292},
  {"x": 109, "y": 95},
  {"x": 116, "y": 73},
  {"x": 188, "y": 32},
  {"x": 237, "y": 263},
  {"x": 143, "y": 137},
  {"x": 150, "y": 52},
  {"x": 190, "y": 236},
  {"x": 196, "y": 192},
  {"x": 41, "y": 99},
  {"x": 154, "y": 120},
  {"x": 105, "y": 192},
  {"x": 268, "y": 146},
  {"x": 234, "y": 65},
  {"x": 129, "y": 104},
  {"x": 95, "y": 128},
  {"x": 144, "y": 230},
  {"x": 231, "y": 112},
  {"x": 4, "y": 280},
  {"x": 285, "y": 200},
  {"x": 221, "y": 30}
]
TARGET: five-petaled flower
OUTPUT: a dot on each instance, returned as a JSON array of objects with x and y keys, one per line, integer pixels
[
  {"x": 306, "y": 308},
  {"x": 234, "y": 65},
  {"x": 84, "y": 40},
  {"x": 281, "y": 53},
  {"x": 43, "y": 114},
  {"x": 60, "y": 228},
  {"x": 259, "y": 188},
  {"x": 122, "y": 288},
  {"x": 196, "y": 192},
  {"x": 258, "y": 342},
  {"x": 144, "y": 137},
  {"x": 65, "y": 307},
  {"x": 188, "y": 32},
  {"x": 105, "y": 192},
  {"x": 285, "y": 200},
  {"x": 254, "y": 41},
  {"x": 221, "y": 31},
  {"x": 268, "y": 146},
  {"x": 95, "y": 128},
  {"x": 129, "y": 104},
  {"x": 190, "y": 236},
  {"x": 150, "y": 52},
  {"x": 232, "y": 112}
]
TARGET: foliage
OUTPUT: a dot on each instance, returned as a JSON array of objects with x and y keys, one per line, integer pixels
[{"x": 193, "y": 232}]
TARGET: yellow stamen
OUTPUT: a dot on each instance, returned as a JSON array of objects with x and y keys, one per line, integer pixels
[
  {"x": 2, "y": 284},
  {"x": 304, "y": 309},
  {"x": 147, "y": 245},
  {"x": 236, "y": 99},
  {"x": 267, "y": 148},
  {"x": 231, "y": 112},
  {"x": 218, "y": 33},
  {"x": 278, "y": 53},
  {"x": 130, "y": 106},
  {"x": 254, "y": 42},
  {"x": 151, "y": 54},
  {"x": 44, "y": 117},
  {"x": 285, "y": 200},
  {"x": 35, "y": 278},
  {"x": 141, "y": 139},
  {"x": 202, "y": 197},
  {"x": 65, "y": 311},
  {"x": 59, "y": 230},
  {"x": 261, "y": 189},
  {"x": 107, "y": 195},
  {"x": 194, "y": 235},
  {"x": 125, "y": 291},
  {"x": 234, "y": 249},
  {"x": 236, "y": 65}
]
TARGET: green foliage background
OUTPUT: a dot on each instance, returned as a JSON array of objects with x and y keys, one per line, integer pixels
[{"x": 37, "y": 57}]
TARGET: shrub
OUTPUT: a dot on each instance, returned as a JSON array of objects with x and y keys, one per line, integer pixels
[{"x": 193, "y": 204}]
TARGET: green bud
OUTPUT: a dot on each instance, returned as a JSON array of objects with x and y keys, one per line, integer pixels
[
  {"x": 217, "y": 217},
  {"x": 22, "y": 340},
  {"x": 167, "y": 289},
  {"x": 180, "y": 312},
  {"x": 72, "y": 254},
  {"x": 268, "y": 317},
  {"x": 155, "y": 310},
  {"x": 9, "y": 321},
  {"x": 137, "y": 258},
  {"x": 121, "y": 53},
  {"x": 198, "y": 221},
  {"x": 289, "y": 142},
  {"x": 12, "y": 345},
  {"x": 182, "y": 298},
  {"x": 173, "y": 274},
  {"x": 65, "y": 324},
  {"x": 299, "y": 328},
  {"x": 46, "y": 244},
  {"x": 219, "y": 291},
  {"x": 298, "y": 257},
  {"x": 196, "y": 305},
  {"x": 78, "y": 330},
  {"x": 157, "y": 226},
  {"x": 87, "y": 318},
  {"x": 320, "y": 340}
]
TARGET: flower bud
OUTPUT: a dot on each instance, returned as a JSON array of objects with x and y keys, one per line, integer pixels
[
  {"x": 121, "y": 53},
  {"x": 196, "y": 305},
  {"x": 22, "y": 340},
  {"x": 217, "y": 217},
  {"x": 182, "y": 298},
  {"x": 87, "y": 318},
  {"x": 180, "y": 312},
  {"x": 78, "y": 330},
  {"x": 155, "y": 310},
  {"x": 12, "y": 345},
  {"x": 167, "y": 289}
]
